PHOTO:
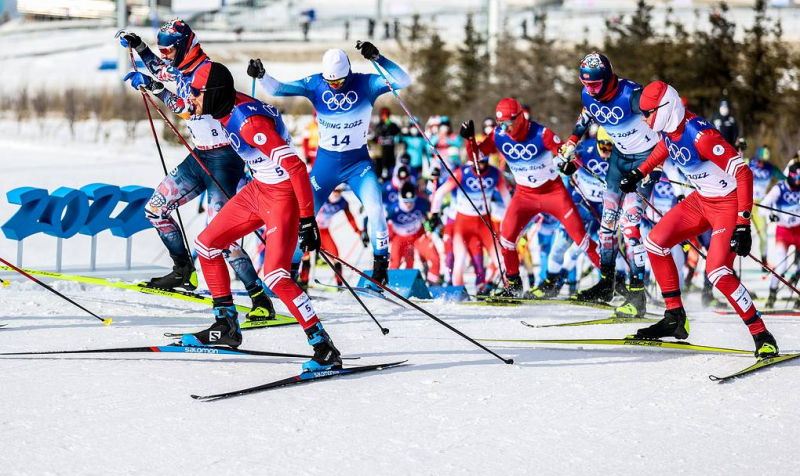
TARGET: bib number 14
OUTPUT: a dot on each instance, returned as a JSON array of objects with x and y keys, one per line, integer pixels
[{"x": 345, "y": 141}]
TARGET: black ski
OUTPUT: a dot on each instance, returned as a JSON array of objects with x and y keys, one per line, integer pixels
[
  {"x": 759, "y": 365},
  {"x": 171, "y": 348},
  {"x": 301, "y": 378}
]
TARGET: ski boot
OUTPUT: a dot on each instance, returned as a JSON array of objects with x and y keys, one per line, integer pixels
[
  {"x": 674, "y": 324},
  {"x": 512, "y": 290},
  {"x": 603, "y": 291},
  {"x": 766, "y": 346},
  {"x": 224, "y": 331},
  {"x": 380, "y": 270},
  {"x": 262, "y": 310},
  {"x": 635, "y": 304},
  {"x": 773, "y": 296},
  {"x": 547, "y": 289},
  {"x": 183, "y": 275},
  {"x": 619, "y": 285},
  {"x": 326, "y": 355}
]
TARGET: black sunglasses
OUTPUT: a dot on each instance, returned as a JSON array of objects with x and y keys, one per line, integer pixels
[
  {"x": 648, "y": 112},
  {"x": 196, "y": 92}
]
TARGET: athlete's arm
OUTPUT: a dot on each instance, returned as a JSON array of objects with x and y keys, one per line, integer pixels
[
  {"x": 656, "y": 158},
  {"x": 584, "y": 121},
  {"x": 712, "y": 146},
  {"x": 279, "y": 151},
  {"x": 398, "y": 78},
  {"x": 551, "y": 141},
  {"x": 486, "y": 147},
  {"x": 636, "y": 95},
  {"x": 772, "y": 196},
  {"x": 273, "y": 87},
  {"x": 777, "y": 174},
  {"x": 176, "y": 104},
  {"x": 442, "y": 191},
  {"x": 162, "y": 70}
]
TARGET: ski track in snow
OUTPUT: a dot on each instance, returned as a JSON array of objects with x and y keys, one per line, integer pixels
[{"x": 454, "y": 410}]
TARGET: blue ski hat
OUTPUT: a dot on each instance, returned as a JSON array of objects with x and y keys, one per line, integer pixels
[{"x": 597, "y": 74}]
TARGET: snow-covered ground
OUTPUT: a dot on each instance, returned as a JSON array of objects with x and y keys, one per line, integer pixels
[{"x": 454, "y": 410}]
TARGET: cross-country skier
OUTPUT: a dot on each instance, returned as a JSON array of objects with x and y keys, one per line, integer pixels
[
  {"x": 784, "y": 196},
  {"x": 613, "y": 103},
  {"x": 470, "y": 235},
  {"x": 279, "y": 198},
  {"x": 407, "y": 233},
  {"x": 764, "y": 172},
  {"x": 528, "y": 148},
  {"x": 181, "y": 56},
  {"x": 343, "y": 101},
  {"x": 722, "y": 202}
]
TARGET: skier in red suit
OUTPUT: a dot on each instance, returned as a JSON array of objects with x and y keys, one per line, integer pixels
[
  {"x": 279, "y": 198},
  {"x": 722, "y": 202},
  {"x": 529, "y": 148}
]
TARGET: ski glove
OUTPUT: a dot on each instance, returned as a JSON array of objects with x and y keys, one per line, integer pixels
[
  {"x": 129, "y": 38},
  {"x": 256, "y": 69},
  {"x": 631, "y": 180},
  {"x": 567, "y": 151},
  {"x": 434, "y": 221},
  {"x": 368, "y": 50},
  {"x": 467, "y": 130},
  {"x": 567, "y": 167},
  {"x": 309, "y": 235},
  {"x": 365, "y": 238},
  {"x": 148, "y": 83},
  {"x": 741, "y": 241}
]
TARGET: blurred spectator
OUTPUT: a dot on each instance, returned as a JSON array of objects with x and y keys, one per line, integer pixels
[
  {"x": 371, "y": 28},
  {"x": 396, "y": 29},
  {"x": 416, "y": 149},
  {"x": 386, "y": 133},
  {"x": 386, "y": 34},
  {"x": 347, "y": 29},
  {"x": 725, "y": 123},
  {"x": 307, "y": 18}
]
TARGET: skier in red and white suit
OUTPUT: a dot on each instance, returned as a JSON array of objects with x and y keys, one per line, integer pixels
[
  {"x": 528, "y": 148},
  {"x": 279, "y": 198},
  {"x": 722, "y": 202}
]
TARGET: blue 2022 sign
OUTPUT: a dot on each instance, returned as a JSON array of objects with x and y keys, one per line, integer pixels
[{"x": 68, "y": 211}]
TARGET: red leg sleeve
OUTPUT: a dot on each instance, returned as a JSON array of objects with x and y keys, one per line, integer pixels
[{"x": 524, "y": 206}]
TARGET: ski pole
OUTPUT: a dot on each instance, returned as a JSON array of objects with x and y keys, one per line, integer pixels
[
  {"x": 107, "y": 321},
  {"x": 766, "y": 207},
  {"x": 780, "y": 278},
  {"x": 414, "y": 121},
  {"x": 160, "y": 154},
  {"x": 488, "y": 209},
  {"x": 339, "y": 275},
  {"x": 199, "y": 162},
  {"x": 418, "y": 308}
]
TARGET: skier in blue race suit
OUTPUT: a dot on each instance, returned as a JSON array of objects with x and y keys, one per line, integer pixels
[
  {"x": 344, "y": 101},
  {"x": 613, "y": 102}
]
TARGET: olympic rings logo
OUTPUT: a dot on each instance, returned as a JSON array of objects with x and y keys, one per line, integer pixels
[
  {"x": 680, "y": 155},
  {"x": 598, "y": 167},
  {"x": 664, "y": 190},
  {"x": 406, "y": 218},
  {"x": 791, "y": 197},
  {"x": 475, "y": 185},
  {"x": 339, "y": 101},
  {"x": 606, "y": 115},
  {"x": 520, "y": 151}
]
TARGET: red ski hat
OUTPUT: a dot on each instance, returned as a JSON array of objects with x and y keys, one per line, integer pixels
[
  {"x": 508, "y": 109},
  {"x": 662, "y": 100}
]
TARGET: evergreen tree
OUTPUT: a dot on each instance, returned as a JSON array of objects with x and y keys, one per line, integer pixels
[
  {"x": 431, "y": 92},
  {"x": 714, "y": 57},
  {"x": 472, "y": 63}
]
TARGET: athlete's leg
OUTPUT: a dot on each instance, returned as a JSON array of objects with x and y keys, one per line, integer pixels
[
  {"x": 524, "y": 206},
  {"x": 227, "y": 168},
  {"x": 760, "y": 225},
  {"x": 428, "y": 253},
  {"x": 778, "y": 254},
  {"x": 722, "y": 215},
  {"x": 684, "y": 221},
  {"x": 561, "y": 206},
  {"x": 365, "y": 185},
  {"x": 561, "y": 243},
  {"x": 180, "y": 186},
  {"x": 459, "y": 250}
]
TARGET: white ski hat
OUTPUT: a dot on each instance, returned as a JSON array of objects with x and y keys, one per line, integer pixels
[{"x": 335, "y": 65}]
